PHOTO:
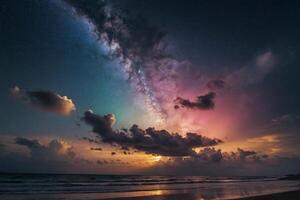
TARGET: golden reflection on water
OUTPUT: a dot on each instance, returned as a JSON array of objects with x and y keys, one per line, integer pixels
[{"x": 157, "y": 192}]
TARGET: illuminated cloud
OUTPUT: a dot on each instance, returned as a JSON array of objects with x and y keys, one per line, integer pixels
[
  {"x": 45, "y": 100},
  {"x": 151, "y": 141},
  {"x": 204, "y": 102}
]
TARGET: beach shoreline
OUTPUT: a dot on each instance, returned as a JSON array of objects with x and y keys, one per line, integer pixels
[
  {"x": 285, "y": 195},
  {"x": 289, "y": 195},
  {"x": 109, "y": 187}
]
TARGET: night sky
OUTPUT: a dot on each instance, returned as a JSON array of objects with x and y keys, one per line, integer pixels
[{"x": 150, "y": 87}]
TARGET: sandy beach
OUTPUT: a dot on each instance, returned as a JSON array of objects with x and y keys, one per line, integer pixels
[{"x": 291, "y": 195}]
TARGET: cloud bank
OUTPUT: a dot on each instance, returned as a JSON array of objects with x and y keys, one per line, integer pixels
[
  {"x": 45, "y": 100},
  {"x": 55, "y": 150},
  {"x": 210, "y": 161},
  {"x": 159, "y": 142},
  {"x": 54, "y": 156}
]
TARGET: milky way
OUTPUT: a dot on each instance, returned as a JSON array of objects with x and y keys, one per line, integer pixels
[
  {"x": 161, "y": 79},
  {"x": 124, "y": 37}
]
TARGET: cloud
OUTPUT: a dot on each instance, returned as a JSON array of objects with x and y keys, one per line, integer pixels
[
  {"x": 210, "y": 154},
  {"x": 286, "y": 119},
  {"x": 45, "y": 100},
  {"x": 288, "y": 124},
  {"x": 216, "y": 84},
  {"x": 243, "y": 154},
  {"x": 31, "y": 144},
  {"x": 151, "y": 141},
  {"x": 54, "y": 156},
  {"x": 90, "y": 140},
  {"x": 204, "y": 102},
  {"x": 111, "y": 162},
  {"x": 254, "y": 72},
  {"x": 102, "y": 162},
  {"x": 96, "y": 149},
  {"x": 54, "y": 150},
  {"x": 265, "y": 62},
  {"x": 210, "y": 161}
]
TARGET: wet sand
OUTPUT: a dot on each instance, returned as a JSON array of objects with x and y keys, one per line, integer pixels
[{"x": 292, "y": 195}]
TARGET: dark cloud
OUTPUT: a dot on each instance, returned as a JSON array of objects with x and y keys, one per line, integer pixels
[
  {"x": 176, "y": 107},
  {"x": 210, "y": 154},
  {"x": 111, "y": 162},
  {"x": 204, "y": 102},
  {"x": 151, "y": 141},
  {"x": 45, "y": 100},
  {"x": 243, "y": 154},
  {"x": 215, "y": 84},
  {"x": 96, "y": 149},
  {"x": 103, "y": 125},
  {"x": 90, "y": 140},
  {"x": 31, "y": 144},
  {"x": 123, "y": 147},
  {"x": 102, "y": 162}
]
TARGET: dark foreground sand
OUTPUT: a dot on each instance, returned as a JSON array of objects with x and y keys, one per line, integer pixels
[{"x": 293, "y": 195}]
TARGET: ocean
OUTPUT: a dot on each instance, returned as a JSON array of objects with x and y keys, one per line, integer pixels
[{"x": 92, "y": 187}]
